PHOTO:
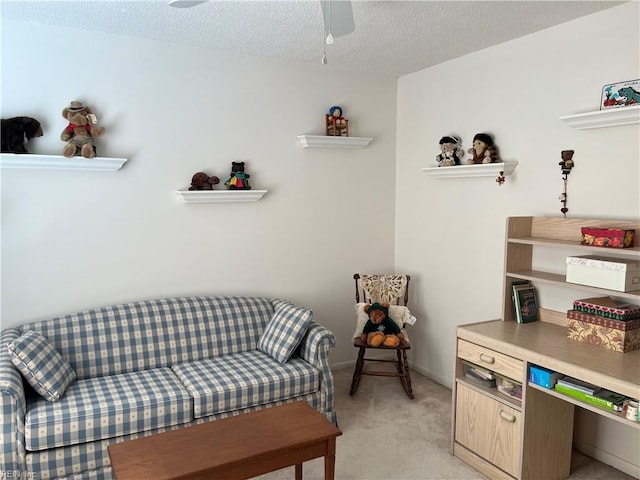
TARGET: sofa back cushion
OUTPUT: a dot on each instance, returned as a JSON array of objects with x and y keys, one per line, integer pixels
[{"x": 155, "y": 333}]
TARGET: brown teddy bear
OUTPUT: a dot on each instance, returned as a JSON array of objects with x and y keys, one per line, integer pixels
[
  {"x": 483, "y": 150},
  {"x": 380, "y": 329},
  {"x": 202, "y": 181},
  {"x": 80, "y": 131}
]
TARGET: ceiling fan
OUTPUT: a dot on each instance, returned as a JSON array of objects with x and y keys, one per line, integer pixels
[{"x": 337, "y": 16}]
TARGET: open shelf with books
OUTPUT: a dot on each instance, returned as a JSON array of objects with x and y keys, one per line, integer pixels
[
  {"x": 526, "y": 235},
  {"x": 591, "y": 397}
]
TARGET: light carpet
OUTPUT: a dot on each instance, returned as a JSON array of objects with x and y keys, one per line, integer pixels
[{"x": 387, "y": 436}]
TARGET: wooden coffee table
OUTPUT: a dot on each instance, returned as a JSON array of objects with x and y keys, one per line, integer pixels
[{"x": 238, "y": 447}]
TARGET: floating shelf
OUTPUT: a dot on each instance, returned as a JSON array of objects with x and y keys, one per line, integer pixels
[
  {"x": 58, "y": 162},
  {"x": 324, "y": 141},
  {"x": 474, "y": 170},
  {"x": 611, "y": 117},
  {"x": 219, "y": 196}
]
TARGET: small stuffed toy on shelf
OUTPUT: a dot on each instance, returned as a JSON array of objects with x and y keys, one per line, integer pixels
[
  {"x": 336, "y": 124},
  {"x": 380, "y": 329},
  {"x": 450, "y": 151},
  {"x": 81, "y": 131},
  {"x": 238, "y": 179},
  {"x": 17, "y": 130},
  {"x": 483, "y": 150},
  {"x": 202, "y": 181}
]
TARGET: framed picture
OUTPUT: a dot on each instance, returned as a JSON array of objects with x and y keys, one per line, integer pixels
[{"x": 621, "y": 94}]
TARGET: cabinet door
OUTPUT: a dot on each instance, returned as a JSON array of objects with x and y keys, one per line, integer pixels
[{"x": 488, "y": 428}]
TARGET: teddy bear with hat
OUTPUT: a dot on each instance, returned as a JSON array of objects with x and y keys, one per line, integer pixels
[
  {"x": 483, "y": 150},
  {"x": 450, "y": 151},
  {"x": 80, "y": 131},
  {"x": 380, "y": 329}
]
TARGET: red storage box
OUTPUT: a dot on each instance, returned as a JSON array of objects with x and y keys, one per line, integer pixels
[{"x": 607, "y": 237}]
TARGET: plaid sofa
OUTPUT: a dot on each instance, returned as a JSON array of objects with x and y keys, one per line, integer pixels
[{"x": 147, "y": 367}]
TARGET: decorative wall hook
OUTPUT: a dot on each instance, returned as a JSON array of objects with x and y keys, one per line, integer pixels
[{"x": 566, "y": 164}]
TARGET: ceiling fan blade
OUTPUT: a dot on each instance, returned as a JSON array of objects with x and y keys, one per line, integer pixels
[
  {"x": 185, "y": 3},
  {"x": 338, "y": 17}
]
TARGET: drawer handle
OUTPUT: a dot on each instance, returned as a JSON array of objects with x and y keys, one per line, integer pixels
[
  {"x": 507, "y": 416},
  {"x": 487, "y": 358}
]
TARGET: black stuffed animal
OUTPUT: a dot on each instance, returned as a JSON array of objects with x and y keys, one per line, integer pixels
[
  {"x": 238, "y": 180},
  {"x": 17, "y": 130}
]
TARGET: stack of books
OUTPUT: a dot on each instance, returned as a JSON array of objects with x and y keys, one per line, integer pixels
[
  {"x": 605, "y": 322},
  {"x": 525, "y": 301},
  {"x": 590, "y": 393}
]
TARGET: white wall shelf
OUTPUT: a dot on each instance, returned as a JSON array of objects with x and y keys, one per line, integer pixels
[
  {"x": 473, "y": 170},
  {"x": 611, "y": 117},
  {"x": 58, "y": 162},
  {"x": 324, "y": 141},
  {"x": 219, "y": 196}
]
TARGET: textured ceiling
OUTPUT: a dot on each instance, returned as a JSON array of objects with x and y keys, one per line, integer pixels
[{"x": 391, "y": 37}]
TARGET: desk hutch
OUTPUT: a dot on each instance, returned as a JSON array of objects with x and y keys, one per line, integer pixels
[{"x": 531, "y": 438}]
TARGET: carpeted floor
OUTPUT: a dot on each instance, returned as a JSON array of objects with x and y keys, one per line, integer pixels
[{"x": 387, "y": 436}]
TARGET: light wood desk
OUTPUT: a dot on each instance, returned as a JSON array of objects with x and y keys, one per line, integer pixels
[{"x": 529, "y": 439}]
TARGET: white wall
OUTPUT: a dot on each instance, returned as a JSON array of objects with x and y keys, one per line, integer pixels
[
  {"x": 74, "y": 240},
  {"x": 450, "y": 232}
]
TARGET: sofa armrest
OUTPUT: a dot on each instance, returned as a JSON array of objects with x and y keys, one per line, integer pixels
[
  {"x": 12, "y": 408},
  {"x": 316, "y": 345},
  {"x": 315, "y": 348}
]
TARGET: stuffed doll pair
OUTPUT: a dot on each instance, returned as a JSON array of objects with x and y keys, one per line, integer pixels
[{"x": 380, "y": 329}]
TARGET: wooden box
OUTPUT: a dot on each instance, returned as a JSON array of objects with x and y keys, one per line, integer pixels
[{"x": 616, "y": 335}]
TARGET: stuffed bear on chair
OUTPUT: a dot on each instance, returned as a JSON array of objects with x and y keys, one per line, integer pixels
[{"x": 380, "y": 329}]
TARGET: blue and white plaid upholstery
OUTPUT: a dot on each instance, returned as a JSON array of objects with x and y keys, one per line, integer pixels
[
  {"x": 285, "y": 331},
  {"x": 65, "y": 462},
  {"x": 105, "y": 407},
  {"x": 242, "y": 380},
  {"x": 140, "y": 337},
  {"x": 155, "y": 333},
  {"x": 12, "y": 408},
  {"x": 315, "y": 348},
  {"x": 41, "y": 365}
]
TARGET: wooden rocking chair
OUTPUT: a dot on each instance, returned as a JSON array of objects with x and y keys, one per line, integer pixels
[{"x": 382, "y": 288}]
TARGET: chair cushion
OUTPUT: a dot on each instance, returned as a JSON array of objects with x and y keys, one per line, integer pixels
[
  {"x": 397, "y": 313},
  {"x": 285, "y": 331},
  {"x": 41, "y": 365},
  {"x": 246, "y": 379},
  {"x": 106, "y": 407}
]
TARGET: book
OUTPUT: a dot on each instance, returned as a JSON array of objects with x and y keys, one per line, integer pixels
[
  {"x": 579, "y": 385},
  {"x": 607, "y": 307},
  {"x": 604, "y": 402},
  {"x": 514, "y": 285},
  {"x": 526, "y": 303}
]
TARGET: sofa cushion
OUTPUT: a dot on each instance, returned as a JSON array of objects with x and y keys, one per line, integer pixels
[
  {"x": 285, "y": 331},
  {"x": 155, "y": 333},
  {"x": 246, "y": 379},
  {"x": 106, "y": 407},
  {"x": 41, "y": 365}
]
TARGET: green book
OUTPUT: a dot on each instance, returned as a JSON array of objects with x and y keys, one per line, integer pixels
[{"x": 603, "y": 398}]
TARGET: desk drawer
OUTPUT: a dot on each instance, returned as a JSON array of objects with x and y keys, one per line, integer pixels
[
  {"x": 488, "y": 428},
  {"x": 492, "y": 360}
]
